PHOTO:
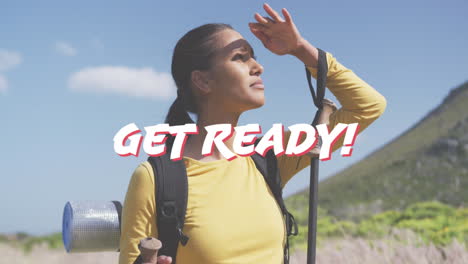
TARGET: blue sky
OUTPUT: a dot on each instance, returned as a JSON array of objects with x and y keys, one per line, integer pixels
[{"x": 72, "y": 74}]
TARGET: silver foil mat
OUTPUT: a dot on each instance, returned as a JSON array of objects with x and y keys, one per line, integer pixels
[{"x": 91, "y": 226}]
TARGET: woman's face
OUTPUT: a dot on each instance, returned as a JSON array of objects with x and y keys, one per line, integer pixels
[{"x": 233, "y": 74}]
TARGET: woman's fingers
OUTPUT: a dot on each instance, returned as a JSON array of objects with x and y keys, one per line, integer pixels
[
  {"x": 266, "y": 20},
  {"x": 260, "y": 18},
  {"x": 270, "y": 21},
  {"x": 259, "y": 34},
  {"x": 164, "y": 260},
  {"x": 287, "y": 16},
  {"x": 272, "y": 13},
  {"x": 329, "y": 102},
  {"x": 329, "y": 105},
  {"x": 278, "y": 35},
  {"x": 260, "y": 27}
]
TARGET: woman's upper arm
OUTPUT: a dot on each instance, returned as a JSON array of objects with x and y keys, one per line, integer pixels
[
  {"x": 138, "y": 213},
  {"x": 360, "y": 103}
]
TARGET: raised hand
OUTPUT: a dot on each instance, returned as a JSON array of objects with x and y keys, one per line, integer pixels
[
  {"x": 328, "y": 108},
  {"x": 149, "y": 252},
  {"x": 278, "y": 35}
]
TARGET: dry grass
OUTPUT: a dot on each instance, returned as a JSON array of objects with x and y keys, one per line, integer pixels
[
  {"x": 402, "y": 248},
  {"x": 42, "y": 255}
]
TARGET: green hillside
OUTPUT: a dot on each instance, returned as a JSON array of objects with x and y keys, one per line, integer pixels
[
  {"x": 432, "y": 222},
  {"x": 427, "y": 162}
]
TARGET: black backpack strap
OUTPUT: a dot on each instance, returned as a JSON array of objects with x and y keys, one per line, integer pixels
[
  {"x": 171, "y": 202},
  {"x": 171, "y": 179},
  {"x": 268, "y": 166}
]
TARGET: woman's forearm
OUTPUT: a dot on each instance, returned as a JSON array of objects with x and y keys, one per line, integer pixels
[{"x": 306, "y": 53}]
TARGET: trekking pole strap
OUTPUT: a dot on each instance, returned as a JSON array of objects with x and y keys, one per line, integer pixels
[{"x": 322, "y": 69}]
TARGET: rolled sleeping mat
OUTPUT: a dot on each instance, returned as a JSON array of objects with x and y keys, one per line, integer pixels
[{"x": 91, "y": 226}]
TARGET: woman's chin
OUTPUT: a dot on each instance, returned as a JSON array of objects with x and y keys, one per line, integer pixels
[
  {"x": 253, "y": 103},
  {"x": 259, "y": 103}
]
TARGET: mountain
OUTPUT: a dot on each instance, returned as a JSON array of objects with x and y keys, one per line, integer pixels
[{"x": 427, "y": 162}]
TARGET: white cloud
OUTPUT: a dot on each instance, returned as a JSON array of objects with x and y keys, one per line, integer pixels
[
  {"x": 144, "y": 82},
  {"x": 65, "y": 48},
  {"x": 9, "y": 59},
  {"x": 3, "y": 84}
]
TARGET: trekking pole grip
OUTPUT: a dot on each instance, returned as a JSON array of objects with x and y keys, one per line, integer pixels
[{"x": 149, "y": 250}]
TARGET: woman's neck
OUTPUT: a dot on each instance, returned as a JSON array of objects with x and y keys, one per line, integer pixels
[{"x": 194, "y": 144}]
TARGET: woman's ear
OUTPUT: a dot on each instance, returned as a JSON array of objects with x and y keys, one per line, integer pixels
[{"x": 201, "y": 82}]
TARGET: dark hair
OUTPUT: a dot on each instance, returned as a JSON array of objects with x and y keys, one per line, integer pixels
[{"x": 194, "y": 51}]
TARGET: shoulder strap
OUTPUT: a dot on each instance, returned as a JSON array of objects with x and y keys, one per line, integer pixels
[
  {"x": 171, "y": 202},
  {"x": 171, "y": 181},
  {"x": 268, "y": 166}
]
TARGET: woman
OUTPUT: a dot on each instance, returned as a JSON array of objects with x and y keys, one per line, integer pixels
[{"x": 232, "y": 216}]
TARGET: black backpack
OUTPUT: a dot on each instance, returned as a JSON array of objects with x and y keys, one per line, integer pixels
[{"x": 171, "y": 206}]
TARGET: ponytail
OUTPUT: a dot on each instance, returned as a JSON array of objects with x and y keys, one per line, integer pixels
[
  {"x": 194, "y": 51},
  {"x": 177, "y": 115}
]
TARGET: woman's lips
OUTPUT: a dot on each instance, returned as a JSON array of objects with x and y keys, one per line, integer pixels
[{"x": 258, "y": 86}]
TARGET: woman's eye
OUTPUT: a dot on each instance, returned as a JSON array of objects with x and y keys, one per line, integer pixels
[
  {"x": 239, "y": 56},
  {"x": 243, "y": 57}
]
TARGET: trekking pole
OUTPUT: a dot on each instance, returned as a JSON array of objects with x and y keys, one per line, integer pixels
[
  {"x": 314, "y": 162},
  {"x": 149, "y": 250}
]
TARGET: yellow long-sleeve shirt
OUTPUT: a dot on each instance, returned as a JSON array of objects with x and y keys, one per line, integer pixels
[{"x": 232, "y": 216}]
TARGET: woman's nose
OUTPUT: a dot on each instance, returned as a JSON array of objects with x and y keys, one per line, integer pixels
[{"x": 257, "y": 68}]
